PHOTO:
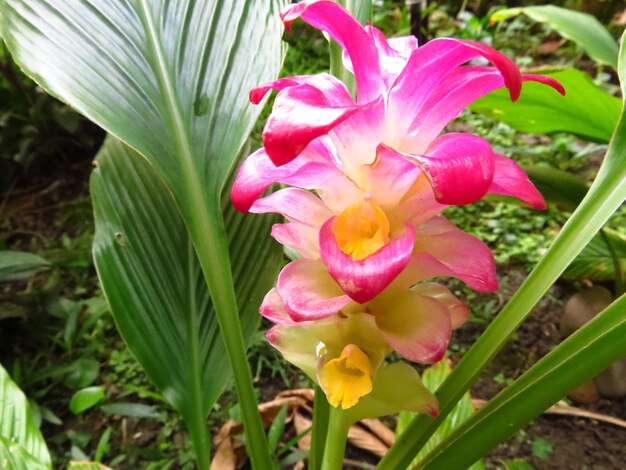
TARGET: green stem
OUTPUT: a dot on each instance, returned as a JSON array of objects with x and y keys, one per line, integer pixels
[
  {"x": 321, "y": 413},
  {"x": 336, "y": 438},
  {"x": 604, "y": 197}
]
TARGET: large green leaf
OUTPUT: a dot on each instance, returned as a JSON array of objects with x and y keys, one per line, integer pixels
[
  {"x": 597, "y": 262},
  {"x": 18, "y": 265},
  {"x": 582, "y": 28},
  {"x": 152, "y": 279},
  {"x": 586, "y": 110},
  {"x": 170, "y": 79},
  {"x": 579, "y": 358},
  {"x": 605, "y": 195},
  {"x": 21, "y": 442}
]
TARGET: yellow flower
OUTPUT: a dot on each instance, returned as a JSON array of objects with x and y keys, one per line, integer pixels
[{"x": 347, "y": 378}]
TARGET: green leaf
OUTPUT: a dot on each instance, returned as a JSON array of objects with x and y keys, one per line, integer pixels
[
  {"x": 557, "y": 186},
  {"x": 170, "y": 79},
  {"x": 135, "y": 410},
  {"x": 21, "y": 442},
  {"x": 19, "y": 265},
  {"x": 541, "y": 448},
  {"x": 85, "y": 399},
  {"x": 579, "y": 358},
  {"x": 152, "y": 279},
  {"x": 517, "y": 464},
  {"x": 596, "y": 261},
  {"x": 80, "y": 373},
  {"x": 582, "y": 28},
  {"x": 586, "y": 109},
  {"x": 14, "y": 457},
  {"x": 276, "y": 430},
  {"x": 432, "y": 378},
  {"x": 87, "y": 466}
]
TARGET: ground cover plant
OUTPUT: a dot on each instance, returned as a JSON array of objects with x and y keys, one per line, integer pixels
[{"x": 176, "y": 260}]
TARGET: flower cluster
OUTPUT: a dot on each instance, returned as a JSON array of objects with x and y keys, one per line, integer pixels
[{"x": 366, "y": 182}]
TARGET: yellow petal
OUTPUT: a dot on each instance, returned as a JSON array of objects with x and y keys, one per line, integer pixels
[
  {"x": 347, "y": 378},
  {"x": 361, "y": 230}
]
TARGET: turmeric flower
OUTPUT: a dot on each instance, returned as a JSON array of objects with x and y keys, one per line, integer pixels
[{"x": 370, "y": 234}]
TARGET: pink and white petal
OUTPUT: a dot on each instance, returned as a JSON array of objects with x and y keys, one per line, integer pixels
[
  {"x": 330, "y": 17},
  {"x": 459, "y": 167},
  {"x": 467, "y": 258},
  {"x": 297, "y": 205},
  {"x": 308, "y": 292},
  {"x": 306, "y": 214},
  {"x": 417, "y": 327},
  {"x": 458, "y": 90},
  {"x": 421, "y": 207},
  {"x": 257, "y": 173},
  {"x": 427, "y": 67},
  {"x": 363, "y": 280},
  {"x": 356, "y": 140},
  {"x": 509, "y": 179},
  {"x": 459, "y": 312},
  {"x": 273, "y": 309},
  {"x": 338, "y": 191},
  {"x": 390, "y": 179},
  {"x": 333, "y": 88},
  {"x": 298, "y": 237},
  {"x": 301, "y": 114},
  {"x": 393, "y": 53}
]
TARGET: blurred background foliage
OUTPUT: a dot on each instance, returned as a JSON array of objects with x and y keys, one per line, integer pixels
[{"x": 57, "y": 338}]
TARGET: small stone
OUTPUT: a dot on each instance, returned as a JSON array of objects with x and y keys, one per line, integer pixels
[
  {"x": 585, "y": 394},
  {"x": 583, "y": 306},
  {"x": 612, "y": 382}
]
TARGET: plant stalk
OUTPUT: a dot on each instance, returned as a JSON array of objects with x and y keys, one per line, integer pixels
[
  {"x": 336, "y": 439},
  {"x": 321, "y": 413}
]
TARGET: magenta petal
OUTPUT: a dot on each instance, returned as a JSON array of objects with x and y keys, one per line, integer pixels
[
  {"x": 431, "y": 63},
  {"x": 509, "y": 179},
  {"x": 306, "y": 214},
  {"x": 273, "y": 309},
  {"x": 465, "y": 256},
  {"x": 545, "y": 80},
  {"x": 459, "y": 312},
  {"x": 393, "y": 53},
  {"x": 363, "y": 280},
  {"x": 416, "y": 326},
  {"x": 342, "y": 27},
  {"x": 448, "y": 99},
  {"x": 333, "y": 88},
  {"x": 308, "y": 292},
  {"x": 390, "y": 178},
  {"x": 459, "y": 167},
  {"x": 301, "y": 114},
  {"x": 257, "y": 173}
]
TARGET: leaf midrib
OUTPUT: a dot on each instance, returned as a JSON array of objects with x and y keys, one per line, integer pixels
[{"x": 174, "y": 119}]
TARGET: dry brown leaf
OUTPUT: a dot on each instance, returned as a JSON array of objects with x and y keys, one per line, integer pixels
[
  {"x": 381, "y": 431},
  {"x": 301, "y": 423},
  {"x": 359, "y": 437}
]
